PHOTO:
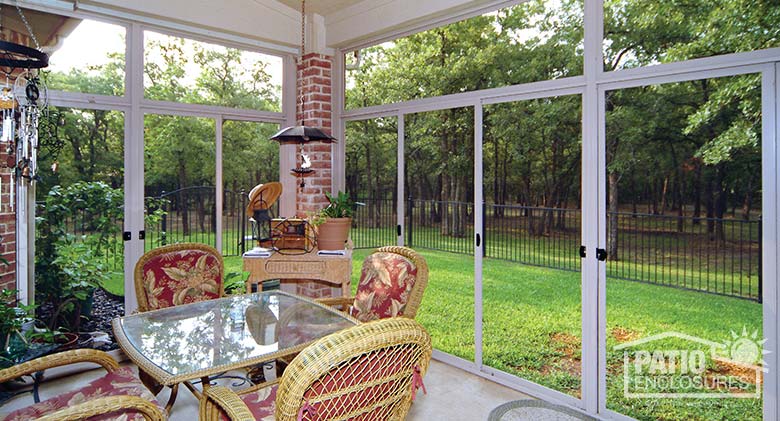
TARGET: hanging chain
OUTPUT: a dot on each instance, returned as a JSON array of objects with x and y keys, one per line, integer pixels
[
  {"x": 27, "y": 25},
  {"x": 303, "y": 29}
]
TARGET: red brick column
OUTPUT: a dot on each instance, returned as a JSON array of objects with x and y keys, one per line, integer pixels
[
  {"x": 314, "y": 87},
  {"x": 7, "y": 225}
]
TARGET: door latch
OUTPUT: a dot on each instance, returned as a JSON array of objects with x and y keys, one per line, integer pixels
[
  {"x": 582, "y": 252},
  {"x": 141, "y": 235},
  {"x": 126, "y": 236},
  {"x": 601, "y": 255}
]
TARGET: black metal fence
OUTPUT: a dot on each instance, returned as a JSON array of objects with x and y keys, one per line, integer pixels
[
  {"x": 720, "y": 256},
  {"x": 189, "y": 215}
]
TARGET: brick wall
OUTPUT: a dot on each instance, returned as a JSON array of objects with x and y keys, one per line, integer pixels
[
  {"x": 7, "y": 224},
  {"x": 314, "y": 83}
]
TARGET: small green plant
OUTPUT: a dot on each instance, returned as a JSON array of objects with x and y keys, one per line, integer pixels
[
  {"x": 82, "y": 273},
  {"x": 11, "y": 316},
  {"x": 235, "y": 282},
  {"x": 341, "y": 206}
]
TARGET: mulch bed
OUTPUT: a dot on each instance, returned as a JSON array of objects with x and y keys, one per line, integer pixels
[{"x": 105, "y": 307}]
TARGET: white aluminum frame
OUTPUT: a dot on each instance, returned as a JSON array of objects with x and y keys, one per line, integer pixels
[
  {"x": 134, "y": 107},
  {"x": 592, "y": 86}
]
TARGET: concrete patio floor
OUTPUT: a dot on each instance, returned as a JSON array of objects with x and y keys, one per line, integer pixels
[{"x": 453, "y": 394}]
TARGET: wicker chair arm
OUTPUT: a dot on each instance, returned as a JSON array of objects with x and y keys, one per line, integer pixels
[
  {"x": 336, "y": 301},
  {"x": 106, "y": 405},
  {"x": 57, "y": 360},
  {"x": 218, "y": 399}
]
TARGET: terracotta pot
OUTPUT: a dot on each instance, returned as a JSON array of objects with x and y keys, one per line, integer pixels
[{"x": 333, "y": 234}]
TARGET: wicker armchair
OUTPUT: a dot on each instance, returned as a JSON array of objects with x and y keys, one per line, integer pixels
[
  {"x": 397, "y": 274},
  {"x": 370, "y": 371},
  {"x": 178, "y": 274},
  {"x": 118, "y": 393}
]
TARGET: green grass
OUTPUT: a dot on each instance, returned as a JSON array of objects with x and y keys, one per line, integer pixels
[{"x": 532, "y": 326}]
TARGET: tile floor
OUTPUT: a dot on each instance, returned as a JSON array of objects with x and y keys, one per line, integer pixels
[{"x": 453, "y": 394}]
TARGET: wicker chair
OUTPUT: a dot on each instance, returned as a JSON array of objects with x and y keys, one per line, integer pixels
[
  {"x": 370, "y": 371},
  {"x": 116, "y": 394},
  {"x": 178, "y": 274},
  {"x": 397, "y": 274}
]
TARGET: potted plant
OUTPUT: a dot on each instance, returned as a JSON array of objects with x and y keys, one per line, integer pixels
[{"x": 333, "y": 231}]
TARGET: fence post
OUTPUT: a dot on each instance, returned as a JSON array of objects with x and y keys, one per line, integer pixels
[
  {"x": 410, "y": 206},
  {"x": 484, "y": 230},
  {"x": 760, "y": 260},
  {"x": 243, "y": 221},
  {"x": 164, "y": 223}
]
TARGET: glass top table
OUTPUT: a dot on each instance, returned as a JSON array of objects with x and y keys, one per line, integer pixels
[{"x": 191, "y": 341}]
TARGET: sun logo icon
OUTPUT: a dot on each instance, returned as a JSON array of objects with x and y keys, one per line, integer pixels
[{"x": 746, "y": 349}]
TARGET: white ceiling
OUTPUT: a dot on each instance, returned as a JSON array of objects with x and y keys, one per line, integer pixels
[
  {"x": 274, "y": 25},
  {"x": 320, "y": 7}
]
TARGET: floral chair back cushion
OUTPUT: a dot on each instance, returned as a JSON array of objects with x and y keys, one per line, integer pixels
[
  {"x": 180, "y": 277},
  {"x": 386, "y": 281}
]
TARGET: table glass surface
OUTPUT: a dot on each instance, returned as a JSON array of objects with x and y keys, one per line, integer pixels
[{"x": 195, "y": 337}]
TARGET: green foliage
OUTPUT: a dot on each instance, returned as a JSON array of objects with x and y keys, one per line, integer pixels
[
  {"x": 235, "y": 282},
  {"x": 11, "y": 316},
  {"x": 67, "y": 268},
  {"x": 341, "y": 206}
]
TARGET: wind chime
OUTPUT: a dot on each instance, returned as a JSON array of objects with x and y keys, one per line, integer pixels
[
  {"x": 21, "y": 104},
  {"x": 302, "y": 134}
]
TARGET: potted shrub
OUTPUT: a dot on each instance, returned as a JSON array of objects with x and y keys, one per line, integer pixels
[{"x": 333, "y": 231}]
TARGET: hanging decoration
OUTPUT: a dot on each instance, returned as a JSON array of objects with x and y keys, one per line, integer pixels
[
  {"x": 302, "y": 134},
  {"x": 21, "y": 103}
]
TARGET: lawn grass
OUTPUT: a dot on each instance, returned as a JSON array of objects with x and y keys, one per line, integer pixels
[{"x": 532, "y": 326}]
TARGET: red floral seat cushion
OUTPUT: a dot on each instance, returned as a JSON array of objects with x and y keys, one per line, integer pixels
[
  {"x": 119, "y": 382},
  {"x": 262, "y": 404},
  {"x": 180, "y": 277},
  {"x": 386, "y": 281}
]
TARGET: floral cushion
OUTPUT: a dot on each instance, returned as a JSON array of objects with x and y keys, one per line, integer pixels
[
  {"x": 119, "y": 382},
  {"x": 262, "y": 404},
  {"x": 386, "y": 281},
  {"x": 181, "y": 277}
]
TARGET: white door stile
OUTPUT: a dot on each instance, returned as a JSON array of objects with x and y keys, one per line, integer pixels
[
  {"x": 400, "y": 210},
  {"x": 596, "y": 268},
  {"x": 479, "y": 234},
  {"x": 134, "y": 161},
  {"x": 218, "y": 181},
  {"x": 770, "y": 92},
  {"x": 591, "y": 227}
]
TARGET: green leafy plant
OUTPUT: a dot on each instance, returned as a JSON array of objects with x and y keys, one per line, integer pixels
[
  {"x": 68, "y": 269},
  {"x": 341, "y": 206},
  {"x": 11, "y": 316},
  {"x": 235, "y": 282}
]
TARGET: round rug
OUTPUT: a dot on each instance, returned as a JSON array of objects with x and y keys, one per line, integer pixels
[{"x": 532, "y": 409}]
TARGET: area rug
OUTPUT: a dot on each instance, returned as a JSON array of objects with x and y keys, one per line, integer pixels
[{"x": 532, "y": 409}]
